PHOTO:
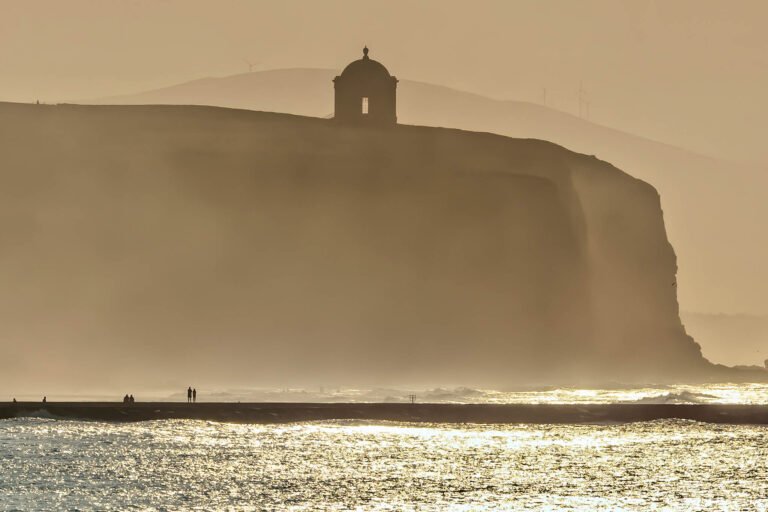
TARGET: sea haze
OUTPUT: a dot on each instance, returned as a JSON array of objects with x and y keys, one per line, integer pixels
[{"x": 720, "y": 393}]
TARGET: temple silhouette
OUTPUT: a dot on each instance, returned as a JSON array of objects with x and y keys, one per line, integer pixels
[{"x": 365, "y": 93}]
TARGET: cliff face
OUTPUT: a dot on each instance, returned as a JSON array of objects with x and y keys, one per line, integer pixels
[{"x": 261, "y": 248}]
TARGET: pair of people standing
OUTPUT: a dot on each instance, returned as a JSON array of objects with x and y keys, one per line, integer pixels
[{"x": 191, "y": 395}]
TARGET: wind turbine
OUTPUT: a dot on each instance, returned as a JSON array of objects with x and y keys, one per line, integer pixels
[
  {"x": 251, "y": 64},
  {"x": 583, "y": 101}
]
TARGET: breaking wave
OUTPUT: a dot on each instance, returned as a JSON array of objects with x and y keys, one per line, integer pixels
[{"x": 676, "y": 397}]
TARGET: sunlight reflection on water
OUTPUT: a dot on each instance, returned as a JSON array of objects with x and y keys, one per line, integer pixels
[
  {"x": 674, "y": 393},
  {"x": 185, "y": 465},
  {"x": 678, "y": 393}
]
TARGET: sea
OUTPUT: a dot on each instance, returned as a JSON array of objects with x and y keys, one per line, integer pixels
[{"x": 174, "y": 465}]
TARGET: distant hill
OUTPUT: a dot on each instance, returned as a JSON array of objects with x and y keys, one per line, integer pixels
[
  {"x": 714, "y": 210},
  {"x": 307, "y": 92}
]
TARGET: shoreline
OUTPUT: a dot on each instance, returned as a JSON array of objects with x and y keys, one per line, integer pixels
[{"x": 288, "y": 412}]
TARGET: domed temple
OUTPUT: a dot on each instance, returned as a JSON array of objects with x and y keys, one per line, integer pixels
[{"x": 365, "y": 92}]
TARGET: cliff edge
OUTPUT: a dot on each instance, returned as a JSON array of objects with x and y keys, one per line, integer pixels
[{"x": 268, "y": 248}]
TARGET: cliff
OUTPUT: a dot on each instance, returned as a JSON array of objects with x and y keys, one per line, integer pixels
[
  {"x": 159, "y": 242},
  {"x": 721, "y": 251}
]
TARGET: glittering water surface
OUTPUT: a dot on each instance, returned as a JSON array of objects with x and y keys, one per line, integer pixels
[
  {"x": 723, "y": 393},
  {"x": 193, "y": 465}
]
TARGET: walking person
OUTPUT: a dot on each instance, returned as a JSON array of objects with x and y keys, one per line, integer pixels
[
  {"x": 194, "y": 394},
  {"x": 189, "y": 394}
]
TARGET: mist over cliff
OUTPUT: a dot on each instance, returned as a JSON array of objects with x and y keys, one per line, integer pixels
[
  {"x": 151, "y": 244},
  {"x": 720, "y": 250}
]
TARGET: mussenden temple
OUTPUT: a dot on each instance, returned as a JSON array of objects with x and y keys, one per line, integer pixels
[{"x": 365, "y": 93}]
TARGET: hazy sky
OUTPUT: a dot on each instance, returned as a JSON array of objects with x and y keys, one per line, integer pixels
[{"x": 693, "y": 73}]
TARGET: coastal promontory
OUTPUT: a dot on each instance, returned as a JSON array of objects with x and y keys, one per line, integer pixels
[{"x": 262, "y": 247}]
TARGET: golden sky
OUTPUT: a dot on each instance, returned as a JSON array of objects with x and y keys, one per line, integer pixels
[{"x": 689, "y": 72}]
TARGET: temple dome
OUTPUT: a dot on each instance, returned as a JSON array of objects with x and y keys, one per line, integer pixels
[{"x": 366, "y": 67}]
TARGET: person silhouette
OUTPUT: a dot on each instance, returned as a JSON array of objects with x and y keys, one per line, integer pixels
[
  {"x": 194, "y": 394},
  {"x": 189, "y": 394},
  {"x": 125, "y": 399},
  {"x": 14, "y": 400},
  {"x": 131, "y": 399},
  {"x": 45, "y": 399}
]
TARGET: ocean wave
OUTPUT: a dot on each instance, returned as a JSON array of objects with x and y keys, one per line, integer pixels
[
  {"x": 460, "y": 394},
  {"x": 676, "y": 397},
  {"x": 37, "y": 414}
]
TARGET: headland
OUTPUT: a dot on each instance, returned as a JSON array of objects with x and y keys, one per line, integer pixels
[{"x": 271, "y": 248}]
